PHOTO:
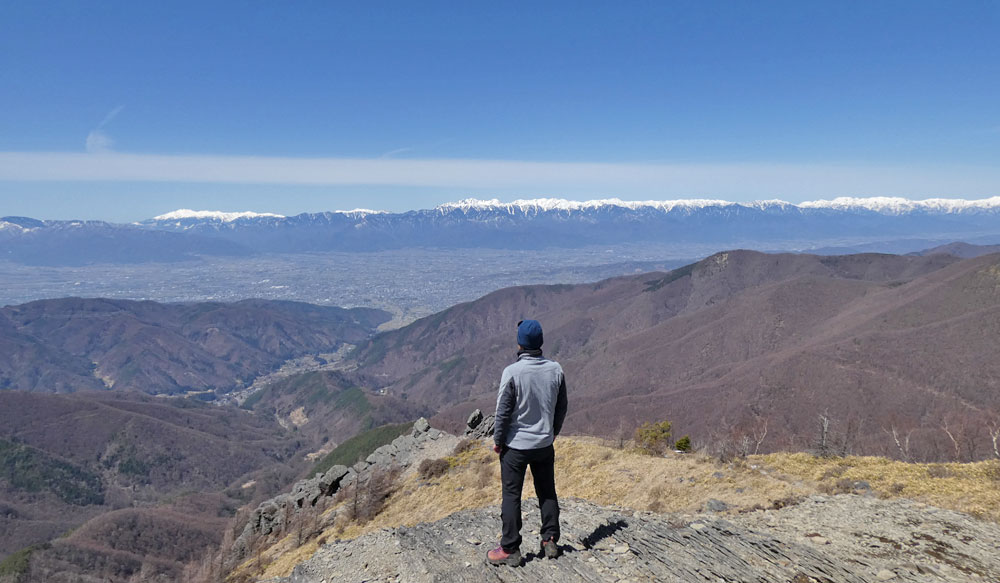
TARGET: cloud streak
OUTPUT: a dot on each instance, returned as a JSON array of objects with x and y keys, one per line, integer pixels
[
  {"x": 98, "y": 141},
  {"x": 736, "y": 181}
]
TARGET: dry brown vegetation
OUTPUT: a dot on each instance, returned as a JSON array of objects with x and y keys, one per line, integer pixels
[
  {"x": 432, "y": 468},
  {"x": 361, "y": 501},
  {"x": 973, "y": 488}
]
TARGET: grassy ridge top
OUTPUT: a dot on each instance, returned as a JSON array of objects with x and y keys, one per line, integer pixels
[{"x": 589, "y": 469}]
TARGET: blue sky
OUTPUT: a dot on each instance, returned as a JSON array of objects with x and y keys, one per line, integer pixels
[{"x": 124, "y": 110}]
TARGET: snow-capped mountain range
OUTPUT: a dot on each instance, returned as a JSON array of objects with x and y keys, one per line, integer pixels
[
  {"x": 884, "y": 205},
  {"x": 534, "y": 224}
]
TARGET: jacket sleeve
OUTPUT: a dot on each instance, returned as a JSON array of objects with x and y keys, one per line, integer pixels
[
  {"x": 561, "y": 405},
  {"x": 506, "y": 399}
]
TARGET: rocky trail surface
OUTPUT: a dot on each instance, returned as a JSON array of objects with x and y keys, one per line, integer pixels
[{"x": 839, "y": 539}]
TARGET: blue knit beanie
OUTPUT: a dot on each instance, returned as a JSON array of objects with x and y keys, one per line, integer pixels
[{"x": 529, "y": 334}]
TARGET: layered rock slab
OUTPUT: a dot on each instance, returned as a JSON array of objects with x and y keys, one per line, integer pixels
[{"x": 604, "y": 544}]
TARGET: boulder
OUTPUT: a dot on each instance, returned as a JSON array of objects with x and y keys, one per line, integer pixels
[
  {"x": 404, "y": 443},
  {"x": 379, "y": 459},
  {"x": 474, "y": 419},
  {"x": 330, "y": 482},
  {"x": 387, "y": 449},
  {"x": 484, "y": 428}
]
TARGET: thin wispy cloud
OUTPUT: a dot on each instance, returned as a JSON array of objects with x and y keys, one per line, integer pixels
[
  {"x": 656, "y": 181},
  {"x": 392, "y": 153},
  {"x": 98, "y": 141},
  {"x": 418, "y": 147}
]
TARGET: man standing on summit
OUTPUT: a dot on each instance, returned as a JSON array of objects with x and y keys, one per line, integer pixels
[{"x": 531, "y": 406}]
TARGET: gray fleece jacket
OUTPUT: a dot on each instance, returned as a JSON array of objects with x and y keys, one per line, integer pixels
[{"x": 531, "y": 403}]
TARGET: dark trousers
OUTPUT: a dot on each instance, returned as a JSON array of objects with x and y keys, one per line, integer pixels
[{"x": 513, "y": 463}]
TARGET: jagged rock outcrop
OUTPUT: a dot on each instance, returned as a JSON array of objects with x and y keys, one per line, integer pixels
[
  {"x": 478, "y": 427},
  {"x": 272, "y": 515},
  {"x": 840, "y": 539}
]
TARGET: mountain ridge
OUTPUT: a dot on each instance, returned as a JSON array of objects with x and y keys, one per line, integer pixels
[
  {"x": 523, "y": 224},
  {"x": 887, "y": 205}
]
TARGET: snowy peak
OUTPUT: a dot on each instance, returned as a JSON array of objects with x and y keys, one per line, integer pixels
[
  {"x": 189, "y": 216},
  {"x": 360, "y": 212},
  {"x": 221, "y": 216},
  {"x": 5, "y": 226}
]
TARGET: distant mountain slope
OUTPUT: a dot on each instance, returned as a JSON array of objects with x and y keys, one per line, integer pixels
[
  {"x": 525, "y": 224},
  {"x": 74, "y": 458},
  {"x": 81, "y": 344},
  {"x": 326, "y": 407},
  {"x": 45, "y": 243},
  {"x": 874, "y": 341},
  {"x": 964, "y": 250}
]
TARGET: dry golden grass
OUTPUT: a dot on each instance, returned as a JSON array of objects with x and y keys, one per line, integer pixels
[
  {"x": 971, "y": 488},
  {"x": 282, "y": 558},
  {"x": 278, "y": 560},
  {"x": 587, "y": 468}
]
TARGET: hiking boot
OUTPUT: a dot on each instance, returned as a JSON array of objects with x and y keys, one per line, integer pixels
[
  {"x": 498, "y": 556},
  {"x": 550, "y": 549}
]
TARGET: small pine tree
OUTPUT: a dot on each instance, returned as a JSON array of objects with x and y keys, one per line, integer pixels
[
  {"x": 683, "y": 444},
  {"x": 653, "y": 438}
]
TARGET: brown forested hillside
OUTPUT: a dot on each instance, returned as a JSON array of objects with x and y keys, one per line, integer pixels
[
  {"x": 75, "y": 344},
  {"x": 110, "y": 465},
  {"x": 738, "y": 341}
]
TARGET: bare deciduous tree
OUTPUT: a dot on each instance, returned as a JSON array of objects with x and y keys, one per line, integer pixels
[
  {"x": 964, "y": 435},
  {"x": 993, "y": 426},
  {"x": 759, "y": 433},
  {"x": 823, "y": 439},
  {"x": 954, "y": 442},
  {"x": 902, "y": 441}
]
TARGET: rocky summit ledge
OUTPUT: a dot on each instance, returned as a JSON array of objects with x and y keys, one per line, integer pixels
[
  {"x": 402, "y": 454},
  {"x": 840, "y": 539}
]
